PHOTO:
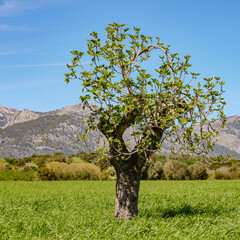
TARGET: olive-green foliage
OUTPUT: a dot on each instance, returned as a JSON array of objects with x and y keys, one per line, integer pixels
[
  {"x": 175, "y": 170},
  {"x": 234, "y": 171},
  {"x": 11, "y": 175},
  {"x": 28, "y": 167},
  {"x": 2, "y": 160},
  {"x": 158, "y": 158},
  {"x": 76, "y": 159},
  {"x": 103, "y": 163},
  {"x": 87, "y": 157},
  {"x": 189, "y": 160},
  {"x": 46, "y": 174},
  {"x": 75, "y": 210},
  {"x": 71, "y": 155},
  {"x": 109, "y": 174},
  {"x": 41, "y": 160},
  {"x": 215, "y": 165},
  {"x": 198, "y": 171},
  {"x": 152, "y": 170},
  {"x": 58, "y": 157},
  {"x": 155, "y": 171},
  {"x": 84, "y": 156},
  {"x": 75, "y": 171},
  {"x": 96, "y": 158},
  {"x": 221, "y": 175},
  {"x": 15, "y": 162},
  {"x": 5, "y": 166}
]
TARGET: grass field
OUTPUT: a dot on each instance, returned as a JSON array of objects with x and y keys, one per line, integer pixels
[{"x": 84, "y": 210}]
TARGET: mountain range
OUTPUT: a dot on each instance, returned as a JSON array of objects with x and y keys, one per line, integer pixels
[{"x": 23, "y": 133}]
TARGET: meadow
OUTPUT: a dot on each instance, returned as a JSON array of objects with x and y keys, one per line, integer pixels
[{"x": 84, "y": 210}]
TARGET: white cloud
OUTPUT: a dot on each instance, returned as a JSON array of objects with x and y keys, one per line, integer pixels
[{"x": 15, "y": 7}]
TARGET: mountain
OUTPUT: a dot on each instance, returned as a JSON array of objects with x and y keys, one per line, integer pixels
[
  {"x": 229, "y": 139},
  {"x": 27, "y": 138},
  {"x": 23, "y": 133},
  {"x": 9, "y": 116}
]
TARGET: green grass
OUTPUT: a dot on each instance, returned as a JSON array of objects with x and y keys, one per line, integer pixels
[{"x": 84, "y": 210}]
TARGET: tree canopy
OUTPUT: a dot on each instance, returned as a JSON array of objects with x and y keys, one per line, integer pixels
[{"x": 166, "y": 104}]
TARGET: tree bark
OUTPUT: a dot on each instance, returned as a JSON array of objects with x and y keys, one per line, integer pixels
[{"x": 127, "y": 188}]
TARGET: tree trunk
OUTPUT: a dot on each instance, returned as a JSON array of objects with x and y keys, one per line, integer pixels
[{"x": 127, "y": 188}]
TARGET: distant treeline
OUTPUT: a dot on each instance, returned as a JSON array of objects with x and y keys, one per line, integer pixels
[{"x": 95, "y": 166}]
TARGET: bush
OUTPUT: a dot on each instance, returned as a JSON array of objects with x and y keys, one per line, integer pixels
[
  {"x": 109, "y": 174},
  {"x": 75, "y": 171},
  {"x": 12, "y": 175},
  {"x": 70, "y": 158},
  {"x": 71, "y": 155},
  {"x": 87, "y": 157},
  {"x": 16, "y": 162},
  {"x": 5, "y": 166},
  {"x": 234, "y": 171},
  {"x": 58, "y": 168},
  {"x": 104, "y": 163},
  {"x": 58, "y": 157},
  {"x": 152, "y": 169},
  {"x": 175, "y": 170},
  {"x": 198, "y": 171},
  {"x": 46, "y": 174},
  {"x": 158, "y": 158},
  {"x": 155, "y": 171},
  {"x": 28, "y": 167},
  {"x": 221, "y": 175},
  {"x": 40, "y": 162}
]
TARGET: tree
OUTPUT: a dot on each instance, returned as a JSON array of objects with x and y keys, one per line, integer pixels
[{"x": 165, "y": 104}]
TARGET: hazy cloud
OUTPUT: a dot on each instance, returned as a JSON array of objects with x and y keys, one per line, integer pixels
[
  {"x": 6, "y": 53},
  {"x": 32, "y": 65},
  {"x": 37, "y": 65},
  {"x": 6, "y": 27},
  {"x": 15, "y": 7},
  {"x": 24, "y": 85}
]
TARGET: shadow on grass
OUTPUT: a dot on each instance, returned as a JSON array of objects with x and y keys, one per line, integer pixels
[{"x": 184, "y": 210}]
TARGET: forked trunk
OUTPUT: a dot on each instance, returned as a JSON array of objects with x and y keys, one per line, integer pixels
[{"x": 127, "y": 188}]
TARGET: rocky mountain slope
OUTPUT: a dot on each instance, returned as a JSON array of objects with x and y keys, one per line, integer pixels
[
  {"x": 27, "y": 138},
  {"x": 23, "y": 133},
  {"x": 229, "y": 138},
  {"x": 9, "y": 116}
]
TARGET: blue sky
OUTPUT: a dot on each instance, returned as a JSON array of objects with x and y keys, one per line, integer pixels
[{"x": 36, "y": 37}]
